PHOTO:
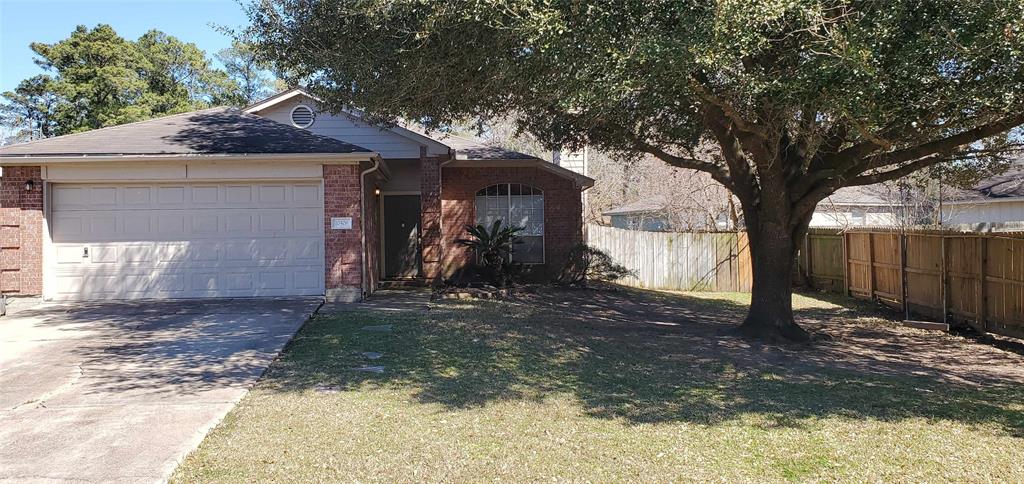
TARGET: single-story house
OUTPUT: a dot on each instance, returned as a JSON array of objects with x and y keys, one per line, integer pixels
[
  {"x": 281, "y": 198},
  {"x": 998, "y": 200},
  {"x": 870, "y": 205},
  {"x": 642, "y": 215}
]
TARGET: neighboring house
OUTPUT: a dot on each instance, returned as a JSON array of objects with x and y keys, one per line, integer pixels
[
  {"x": 996, "y": 200},
  {"x": 654, "y": 216},
  {"x": 642, "y": 215},
  {"x": 274, "y": 200},
  {"x": 871, "y": 205}
]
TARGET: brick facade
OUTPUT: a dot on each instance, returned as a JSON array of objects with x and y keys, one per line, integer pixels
[
  {"x": 342, "y": 248},
  {"x": 563, "y": 210},
  {"x": 21, "y": 231},
  {"x": 448, "y": 204},
  {"x": 431, "y": 242}
]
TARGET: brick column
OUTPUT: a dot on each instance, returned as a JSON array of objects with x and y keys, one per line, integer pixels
[
  {"x": 342, "y": 248},
  {"x": 21, "y": 231},
  {"x": 430, "y": 215}
]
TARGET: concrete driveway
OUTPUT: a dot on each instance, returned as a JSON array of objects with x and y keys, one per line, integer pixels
[{"x": 122, "y": 391}]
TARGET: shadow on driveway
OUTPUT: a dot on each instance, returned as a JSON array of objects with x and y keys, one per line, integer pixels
[{"x": 122, "y": 390}]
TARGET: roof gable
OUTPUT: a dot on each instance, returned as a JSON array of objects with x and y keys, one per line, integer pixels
[
  {"x": 215, "y": 131},
  {"x": 464, "y": 148}
]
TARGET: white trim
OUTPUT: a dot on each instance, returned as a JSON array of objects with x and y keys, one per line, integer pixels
[
  {"x": 312, "y": 115},
  {"x": 325, "y": 158},
  {"x": 274, "y": 100}
]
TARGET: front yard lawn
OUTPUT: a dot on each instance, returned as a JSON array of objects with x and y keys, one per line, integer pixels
[{"x": 622, "y": 385}]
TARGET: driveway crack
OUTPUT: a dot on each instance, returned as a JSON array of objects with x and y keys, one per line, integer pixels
[{"x": 40, "y": 402}]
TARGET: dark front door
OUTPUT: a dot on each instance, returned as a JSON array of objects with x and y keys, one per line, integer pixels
[{"x": 401, "y": 236}]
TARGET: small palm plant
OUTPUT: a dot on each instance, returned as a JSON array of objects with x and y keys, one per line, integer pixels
[{"x": 493, "y": 248}]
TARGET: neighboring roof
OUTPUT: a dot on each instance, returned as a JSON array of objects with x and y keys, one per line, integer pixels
[
  {"x": 862, "y": 196},
  {"x": 642, "y": 206},
  {"x": 215, "y": 131},
  {"x": 1006, "y": 186}
]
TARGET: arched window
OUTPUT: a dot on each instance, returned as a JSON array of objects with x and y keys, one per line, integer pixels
[{"x": 519, "y": 206}]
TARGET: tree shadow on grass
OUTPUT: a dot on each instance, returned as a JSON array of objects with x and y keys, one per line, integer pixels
[{"x": 647, "y": 357}]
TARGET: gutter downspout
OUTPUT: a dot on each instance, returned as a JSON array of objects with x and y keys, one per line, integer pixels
[{"x": 362, "y": 222}]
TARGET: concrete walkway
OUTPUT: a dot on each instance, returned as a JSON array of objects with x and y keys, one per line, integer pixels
[{"x": 121, "y": 392}]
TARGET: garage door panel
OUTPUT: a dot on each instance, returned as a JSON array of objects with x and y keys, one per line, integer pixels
[
  {"x": 135, "y": 196},
  {"x": 182, "y": 240}
]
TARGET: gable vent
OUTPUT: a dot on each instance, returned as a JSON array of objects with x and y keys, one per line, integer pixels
[{"x": 302, "y": 116}]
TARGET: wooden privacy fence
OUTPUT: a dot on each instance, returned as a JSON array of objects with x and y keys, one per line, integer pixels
[
  {"x": 714, "y": 261},
  {"x": 964, "y": 277},
  {"x": 972, "y": 278}
]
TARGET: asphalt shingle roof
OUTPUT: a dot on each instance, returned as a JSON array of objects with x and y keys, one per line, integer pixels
[
  {"x": 1009, "y": 184},
  {"x": 208, "y": 132}
]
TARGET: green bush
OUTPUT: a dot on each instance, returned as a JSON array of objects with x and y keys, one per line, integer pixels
[
  {"x": 493, "y": 249},
  {"x": 586, "y": 263}
]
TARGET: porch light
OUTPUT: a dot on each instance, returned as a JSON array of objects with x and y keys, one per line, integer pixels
[
  {"x": 376, "y": 191},
  {"x": 29, "y": 185}
]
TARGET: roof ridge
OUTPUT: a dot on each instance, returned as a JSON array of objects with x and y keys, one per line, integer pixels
[{"x": 70, "y": 135}]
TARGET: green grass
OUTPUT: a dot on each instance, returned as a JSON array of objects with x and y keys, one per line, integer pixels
[{"x": 581, "y": 391}]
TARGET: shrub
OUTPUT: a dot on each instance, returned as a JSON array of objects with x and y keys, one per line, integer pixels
[
  {"x": 586, "y": 263},
  {"x": 493, "y": 249}
]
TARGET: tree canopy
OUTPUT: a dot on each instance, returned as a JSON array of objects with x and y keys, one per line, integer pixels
[
  {"x": 250, "y": 73},
  {"x": 781, "y": 101},
  {"x": 96, "y": 78}
]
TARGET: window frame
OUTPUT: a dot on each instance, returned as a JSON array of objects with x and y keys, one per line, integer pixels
[{"x": 508, "y": 208}]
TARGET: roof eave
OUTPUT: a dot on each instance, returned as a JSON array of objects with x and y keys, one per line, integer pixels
[
  {"x": 581, "y": 181},
  {"x": 982, "y": 201},
  {"x": 327, "y": 158}
]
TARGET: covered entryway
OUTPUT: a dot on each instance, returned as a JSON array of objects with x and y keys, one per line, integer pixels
[
  {"x": 401, "y": 236},
  {"x": 186, "y": 240}
]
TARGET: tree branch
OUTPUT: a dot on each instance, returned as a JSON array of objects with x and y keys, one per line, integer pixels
[
  {"x": 895, "y": 173},
  {"x": 946, "y": 144},
  {"x": 727, "y": 110},
  {"x": 716, "y": 171}
]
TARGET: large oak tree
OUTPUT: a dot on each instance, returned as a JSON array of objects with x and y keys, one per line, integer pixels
[{"x": 797, "y": 97}]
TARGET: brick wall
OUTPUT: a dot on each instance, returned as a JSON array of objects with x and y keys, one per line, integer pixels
[
  {"x": 563, "y": 210},
  {"x": 21, "y": 232},
  {"x": 342, "y": 248},
  {"x": 431, "y": 247}
]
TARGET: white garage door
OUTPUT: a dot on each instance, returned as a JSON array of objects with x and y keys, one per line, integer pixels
[{"x": 127, "y": 241}]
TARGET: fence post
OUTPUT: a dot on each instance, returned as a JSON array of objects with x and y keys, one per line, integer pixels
[
  {"x": 846, "y": 264},
  {"x": 903, "y": 275},
  {"x": 808, "y": 272},
  {"x": 871, "y": 265},
  {"x": 943, "y": 280},
  {"x": 982, "y": 303}
]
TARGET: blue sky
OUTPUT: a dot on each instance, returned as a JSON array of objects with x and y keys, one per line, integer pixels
[{"x": 26, "y": 21}]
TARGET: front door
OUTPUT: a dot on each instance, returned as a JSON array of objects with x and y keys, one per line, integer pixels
[{"x": 401, "y": 236}]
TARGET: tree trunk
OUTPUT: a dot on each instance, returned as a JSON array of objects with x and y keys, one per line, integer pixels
[{"x": 770, "y": 318}]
